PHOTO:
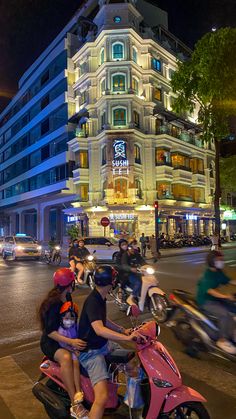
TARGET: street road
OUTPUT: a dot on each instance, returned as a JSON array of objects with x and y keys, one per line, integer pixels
[{"x": 23, "y": 284}]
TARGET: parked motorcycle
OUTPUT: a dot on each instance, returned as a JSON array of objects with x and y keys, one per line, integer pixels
[
  {"x": 164, "y": 396},
  {"x": 52, "y": 255},
  {"x": 152, "y": 297},
  {"x": 197, "y": 330}
]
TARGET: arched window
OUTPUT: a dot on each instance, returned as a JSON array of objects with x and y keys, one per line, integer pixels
[
  {"x": 135, "y": 85},
  {"x": 136, "y": 119},
  {"x": 102, "y": 56},
  {"x": 104, "y": 155},
  {"x": 118, "y": 83},
  {"x": 118, "y": 51},
  {"x": 103, "y": 86},
  {"x": 119, "y": 117},
  {"x": 134, "y": 54},
  {"x": 137, "y": 154},
  {"x": 156, "y": 64},
  {"x": 121, "y": 188}
]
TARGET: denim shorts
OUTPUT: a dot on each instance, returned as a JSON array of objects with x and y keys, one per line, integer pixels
[{"x": 93, "y": 361}]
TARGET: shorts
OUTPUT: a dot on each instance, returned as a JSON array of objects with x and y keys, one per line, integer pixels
[
  {"x": 93, "y": 361},
  {"x": 49, "y": 347}
]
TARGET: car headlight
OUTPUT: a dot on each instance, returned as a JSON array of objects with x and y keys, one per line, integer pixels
[
  {"x": 150, "y": 271},
  {"x": 39, "y": 248},
  {"x": 19, "y": 247},
  {"x": 57, "y": 247},
  {"x": 90, "y": 258}
]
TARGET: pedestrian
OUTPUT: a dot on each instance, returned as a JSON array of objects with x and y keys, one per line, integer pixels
[{"x": 143, "y": 242}]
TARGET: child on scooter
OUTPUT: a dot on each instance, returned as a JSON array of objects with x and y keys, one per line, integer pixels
[{"x": 69, "y": 328}]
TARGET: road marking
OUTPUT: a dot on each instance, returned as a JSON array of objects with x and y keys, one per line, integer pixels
[{"x": 15, "y": 387}]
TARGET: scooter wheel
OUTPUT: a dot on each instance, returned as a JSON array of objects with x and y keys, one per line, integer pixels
[
  {"x": 185, "y": 410},
  {"x": 52, "y": 404},
  {"x": 159, "y": 308}
]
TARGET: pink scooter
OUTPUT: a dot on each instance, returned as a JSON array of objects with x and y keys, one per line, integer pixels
[{"x": 162, "y": 390}]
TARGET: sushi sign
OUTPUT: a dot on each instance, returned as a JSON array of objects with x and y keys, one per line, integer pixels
[{"x": 120, "y": 163}]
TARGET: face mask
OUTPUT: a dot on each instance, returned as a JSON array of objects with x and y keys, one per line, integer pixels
[
  {"x": 219, "y": 264},
  {"x": 76, "y": 245},
  {"x": 67, "y": 323}
]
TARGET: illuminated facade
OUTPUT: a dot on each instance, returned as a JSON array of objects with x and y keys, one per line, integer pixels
[{"x": 111, "y": 145}]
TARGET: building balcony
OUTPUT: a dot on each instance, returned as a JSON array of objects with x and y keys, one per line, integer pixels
[
  {"x": 80, "y": 174},
  {"x": 182, "y": 174},
  {"x": 198, "y": 180},
  {"x": 164, "y": 172}
]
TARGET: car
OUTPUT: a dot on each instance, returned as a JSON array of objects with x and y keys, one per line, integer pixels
[
  {"x": 106, "y": 248},
  {"x": 20, "y": 246},
  {"x": 1, "y": 244}
]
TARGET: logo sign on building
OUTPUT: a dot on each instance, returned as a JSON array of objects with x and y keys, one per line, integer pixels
[
  {"x": 120, "y": 163},
  {"x": 122, "y": 217},
  {"x": 191, "y": 217}
]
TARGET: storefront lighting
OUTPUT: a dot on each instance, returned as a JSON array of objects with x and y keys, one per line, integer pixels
[
  {"x": 143, "y": 208},
  {"x": 97, "y": 208}
]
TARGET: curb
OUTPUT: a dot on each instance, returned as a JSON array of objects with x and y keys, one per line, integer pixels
[{"x": 184, "y": 253}]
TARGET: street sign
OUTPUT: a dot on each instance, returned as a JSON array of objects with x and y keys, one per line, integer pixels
[{"x": 105, "y": 221}]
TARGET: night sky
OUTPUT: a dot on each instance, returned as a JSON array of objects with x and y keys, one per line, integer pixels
[{"x": 28, "y": 26}]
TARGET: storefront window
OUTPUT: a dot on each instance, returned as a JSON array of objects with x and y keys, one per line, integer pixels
[
  {"x": 180, "y": 161},
  {"x": 163, "y": 190},
  {"x": 182, "y": 192},
  {"x": 121, "y": 188},
  {"x": 162, "y": 157}
]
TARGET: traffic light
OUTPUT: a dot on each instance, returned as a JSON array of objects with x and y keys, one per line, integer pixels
[{"x": 156, "y": 205}]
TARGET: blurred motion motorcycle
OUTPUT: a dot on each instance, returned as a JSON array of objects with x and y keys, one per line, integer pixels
[
  {"x": 152, "y": 298},
  {"x": 89, "y": 265},
  {"x": 52, "y": 255}
]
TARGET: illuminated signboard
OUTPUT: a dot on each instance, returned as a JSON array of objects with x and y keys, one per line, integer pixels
[
  {"x": 191, "y": 217},
  {"x": 120, "y": 217},
  {"x": 229, "y": 215},
  {"x": 120, "y": 163}
]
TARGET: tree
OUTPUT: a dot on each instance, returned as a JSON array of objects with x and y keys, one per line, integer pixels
[
  {"x": 73, "y": 232},
  {"x": 228, "y": 175},
  {"x": 207, "y": 81}
]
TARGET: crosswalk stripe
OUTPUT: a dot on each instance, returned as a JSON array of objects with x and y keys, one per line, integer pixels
[{"x": 15, "y": 386}]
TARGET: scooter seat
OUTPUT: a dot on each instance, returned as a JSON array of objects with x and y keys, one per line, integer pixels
[{"x": 120, "y": 356}]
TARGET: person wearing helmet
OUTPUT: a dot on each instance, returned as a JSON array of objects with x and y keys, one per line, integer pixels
[
  {"x": 213, "y": 301},
  {"x": 130, "y": 261},
  {"x": 77, "y": 254},
  {"x": 95, "y": 329},
  {"x": 51, "y": 340}
]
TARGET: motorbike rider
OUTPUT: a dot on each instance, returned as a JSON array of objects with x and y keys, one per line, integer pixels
[
  {"x": 95, "y": 329},
  {"x": 130, "y": 261},
  {"x": 214, "y": 302},
  {"x": 77, "y": 253},
  {"x": 51, "y": 340}
]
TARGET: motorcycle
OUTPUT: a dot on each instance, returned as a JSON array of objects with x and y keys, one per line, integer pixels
[
  {"x": 163, "y": 394},
  {"x": 53, "y": 255},
  {"x": 152, "y": 298},
  {"x": 89, "y": 269},
  {"x": 197, "y": 330}
]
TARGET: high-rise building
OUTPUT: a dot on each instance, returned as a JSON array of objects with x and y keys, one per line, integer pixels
[{"x": 91, "y": 132}]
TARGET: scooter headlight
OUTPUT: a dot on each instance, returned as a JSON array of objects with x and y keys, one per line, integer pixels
[
  {"x": 19, "y": 247},
  {"x": 90, "y": 258},
  {"x": 150, "y": 271},
  {"x": 57, "y": 248},
  {"x": 39, "y": 248}
]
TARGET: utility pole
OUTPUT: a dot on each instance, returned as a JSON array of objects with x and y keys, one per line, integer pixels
[{"x": 156, "y": 206}]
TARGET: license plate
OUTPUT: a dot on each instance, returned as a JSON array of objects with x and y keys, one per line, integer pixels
[{"x": 30, "y": 254}]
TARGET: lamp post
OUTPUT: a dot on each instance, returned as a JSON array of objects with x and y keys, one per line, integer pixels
[{"x": 156, "y": 206}]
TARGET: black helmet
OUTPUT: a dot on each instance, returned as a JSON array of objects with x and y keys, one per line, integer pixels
[
  {"x": 104, "y": 275},
  {"x": 121, "y": 241},
  {"x": 211, "y": 257}
]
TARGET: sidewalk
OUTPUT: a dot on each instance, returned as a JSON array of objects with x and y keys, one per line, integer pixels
[{"x": 165, "y": 253}]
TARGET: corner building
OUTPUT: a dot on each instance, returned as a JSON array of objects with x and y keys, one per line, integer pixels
[{"x": 123, "y": 147}]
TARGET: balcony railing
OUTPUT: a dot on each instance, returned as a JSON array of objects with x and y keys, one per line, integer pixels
[
  {"x": 163, "y": 163},
  {"x": 182, "y": 168},
  {"x": 181, "y": 135}
]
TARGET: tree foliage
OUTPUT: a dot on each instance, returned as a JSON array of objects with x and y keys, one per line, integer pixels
[
  {"x": 228, "y": 174},
  {"x": 73, "y": 232},
  {"x": 208, "y": 79}
]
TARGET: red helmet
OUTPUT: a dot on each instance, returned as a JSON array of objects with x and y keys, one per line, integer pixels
[{"x": 63, "y": 277}]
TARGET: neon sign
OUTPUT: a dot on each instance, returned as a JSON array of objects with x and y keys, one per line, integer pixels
[
  {"x": 120, "y": 163},
  {"x": 191, "y": 217}
]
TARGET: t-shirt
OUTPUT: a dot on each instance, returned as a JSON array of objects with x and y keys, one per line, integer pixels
[
  {"x": 71, "y": 333},
  {"x": 210, "y": 280},
  {"x": 79, "y": 252},
  {"x": 51, "y": 322},
  {"x": 94, "y": 308}
]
